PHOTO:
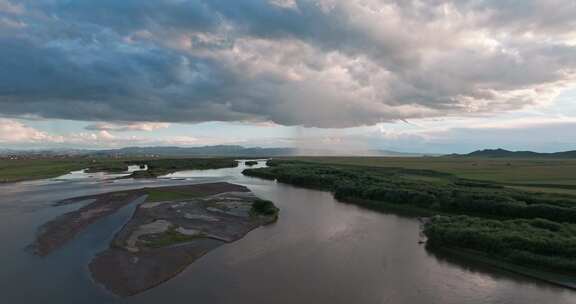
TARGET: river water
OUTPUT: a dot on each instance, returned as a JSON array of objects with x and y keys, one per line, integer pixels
[{"x": 320, "y": 251}]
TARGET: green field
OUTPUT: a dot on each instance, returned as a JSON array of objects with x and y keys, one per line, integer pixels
[
  {"x": 549, "y": 175},
  {"x": 20, "y": 170}
]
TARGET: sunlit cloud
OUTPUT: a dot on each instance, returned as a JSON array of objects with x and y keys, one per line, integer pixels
[
  {"x": 12, "y": 131},
  {"x": 125, "y": 127}
]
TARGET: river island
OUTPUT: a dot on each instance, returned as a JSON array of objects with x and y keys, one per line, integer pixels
[{"x": 170, "y": 229}]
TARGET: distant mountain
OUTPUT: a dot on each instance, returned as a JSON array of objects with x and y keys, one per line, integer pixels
[{"x": 501, "y": 153}]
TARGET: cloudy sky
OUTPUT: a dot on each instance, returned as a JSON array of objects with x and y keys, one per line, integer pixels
[{"x": 411, "y": 75}]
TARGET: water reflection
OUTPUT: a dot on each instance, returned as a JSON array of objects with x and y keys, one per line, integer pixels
[
  {"x": 320, "y": 251},
  {"x": 85, "y": 175}
]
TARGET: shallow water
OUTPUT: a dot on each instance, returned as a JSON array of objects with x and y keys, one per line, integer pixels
[{"x": 320, "y": 251}]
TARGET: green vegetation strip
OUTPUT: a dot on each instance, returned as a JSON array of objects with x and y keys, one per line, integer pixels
[
  {"x": 540, "y": 243},
  {"x": 515, "y": 171},
  {"x": 21, "y": 170},
  {"x": 159, "y": 195}
]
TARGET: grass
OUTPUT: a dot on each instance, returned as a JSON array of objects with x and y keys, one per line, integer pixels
[
  {"x": 110, "y": 166},
  {"x": 159, "y": 195},
  {"x": 429, "y": 179},
  {"x": 32, "y": 169},
  {"x": 538, "y": 189},
  {"x": 549, "y": 175},
  {"x": 21, "y": 170},
  {"x": 168, "y": 238}
]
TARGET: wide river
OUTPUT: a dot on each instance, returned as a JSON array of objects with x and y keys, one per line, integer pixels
[{"x": 320, "y": 251}]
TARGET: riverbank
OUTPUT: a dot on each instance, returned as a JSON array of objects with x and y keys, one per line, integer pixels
[
  {"x": 477, "y": 257},
  {"x": 502, "y": 216},
  {"x": 544, "y": 245}
]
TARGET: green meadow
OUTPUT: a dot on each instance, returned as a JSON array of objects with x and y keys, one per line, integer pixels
[{"x": 548, "y": 175}]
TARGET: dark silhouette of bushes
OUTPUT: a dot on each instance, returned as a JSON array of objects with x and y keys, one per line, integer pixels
[{"x": 264, "y": 207}]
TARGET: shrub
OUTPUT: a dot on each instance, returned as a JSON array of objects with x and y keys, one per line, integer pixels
[{"x": 264, "y": 207}]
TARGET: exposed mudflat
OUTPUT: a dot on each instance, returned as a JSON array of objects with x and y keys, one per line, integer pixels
[
  {"x": 125, "y": 273},
  {"x": 64, "y": 228},
  {"x": 163, "y": 236}
]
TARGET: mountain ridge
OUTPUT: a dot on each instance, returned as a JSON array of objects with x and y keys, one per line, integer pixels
[{"x": 503, "y": 153}]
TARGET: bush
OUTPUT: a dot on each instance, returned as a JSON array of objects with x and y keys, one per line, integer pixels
[
  {"x": 264, "y": 207},
  {"x": 537, "y": 241}
]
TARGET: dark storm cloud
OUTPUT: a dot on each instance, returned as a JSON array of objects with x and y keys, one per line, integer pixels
[{"x": 325, "y": 63}]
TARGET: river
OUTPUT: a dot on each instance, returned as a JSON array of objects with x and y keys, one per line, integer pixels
[{"x": 320, "y": 251}]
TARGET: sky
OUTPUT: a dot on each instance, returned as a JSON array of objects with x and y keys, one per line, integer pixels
[{"x": 427, "y": 76}]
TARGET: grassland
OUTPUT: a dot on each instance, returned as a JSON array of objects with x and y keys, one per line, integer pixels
[
  {"x": 20, "y": 170},
  {"x": 547, "y": 175},
  {"x": 15, "y": 170}
]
